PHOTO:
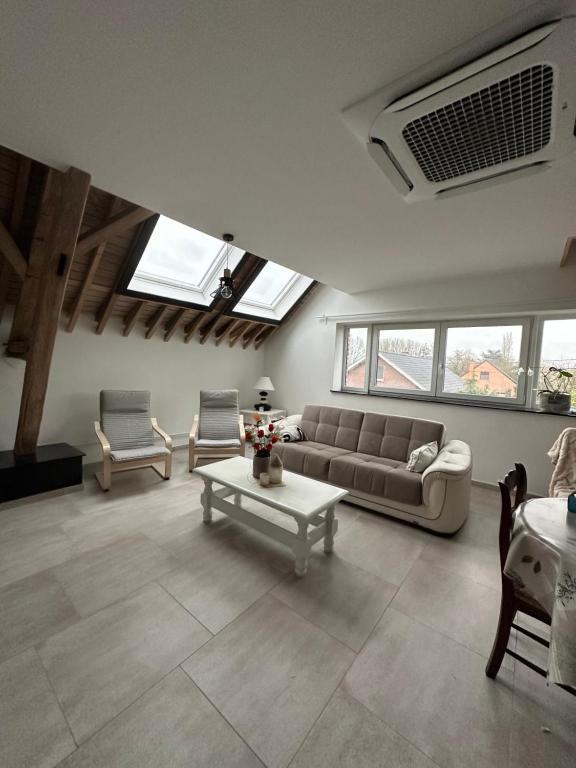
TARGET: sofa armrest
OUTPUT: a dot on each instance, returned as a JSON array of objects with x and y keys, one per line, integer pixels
[{"x": 453, "y": 463}]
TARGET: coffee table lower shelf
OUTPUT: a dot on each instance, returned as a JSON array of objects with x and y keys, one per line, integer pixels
[{"x": 310, "y": 531}]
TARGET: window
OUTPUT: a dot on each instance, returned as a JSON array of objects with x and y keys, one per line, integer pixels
[
  {"x": 405, "y": 359},
  {"x": 355, "y": 358},
  {"x": 485, "y": 361},
  {"x": 274, "y": 291},
  {"x": 558, "y": 350},
  {"x": 181, "y": 263}
]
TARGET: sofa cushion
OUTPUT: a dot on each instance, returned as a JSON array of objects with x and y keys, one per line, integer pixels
[
  {"x": 339, "y": 427},
  {"x": 308, "y": 458},
  {"x": 343, "y": 468},
  {"x": 395, "y": 437},
  {"x": 378, "y": 477},
  {"x": 404, "y": 486}
]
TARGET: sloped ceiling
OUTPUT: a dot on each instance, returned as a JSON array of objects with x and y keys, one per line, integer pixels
[{"x": 227, "y": 116}]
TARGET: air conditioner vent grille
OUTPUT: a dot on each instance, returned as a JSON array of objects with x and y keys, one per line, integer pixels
[{"x": 507, "y": 120}]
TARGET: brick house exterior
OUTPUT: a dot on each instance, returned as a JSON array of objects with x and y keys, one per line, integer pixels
[{"x": 488, "y": 375}]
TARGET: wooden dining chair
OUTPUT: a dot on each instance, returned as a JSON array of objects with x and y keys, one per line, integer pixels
[{"x": 513, "y": 490}]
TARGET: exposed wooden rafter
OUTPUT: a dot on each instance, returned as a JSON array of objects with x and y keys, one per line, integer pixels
[
  {"x": 191, "y": 327},
  {"x": 115, "y": 224},
  {"x": 11, "y": 252},
  {"x": 249, "y": 335},
  {"x": 18, "y": 202},
  {"x": 56, "y": 233},
  {"x": 132, "y": 317},
  {"x": 172, "y": 324},
  {"x": 237, "y": 332},
  {"x": 96, "y": 257},
  {"x": 569, "y": 254},
  {"x": 264, "y": 334},
  {"x": 155, "y": 321}
]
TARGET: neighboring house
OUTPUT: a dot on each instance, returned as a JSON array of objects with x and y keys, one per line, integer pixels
[
  {"x": 489, "y": 376},
  {"x": 398, "y": 371}
]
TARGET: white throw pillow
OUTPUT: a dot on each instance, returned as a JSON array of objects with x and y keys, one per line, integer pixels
[{"x": 421, "y": 458}]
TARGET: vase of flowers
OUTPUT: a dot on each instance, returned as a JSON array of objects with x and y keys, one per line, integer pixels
[{"x": 261, "y": 437}]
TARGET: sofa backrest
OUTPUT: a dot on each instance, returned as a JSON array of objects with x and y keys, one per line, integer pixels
[
  {"x": 395, "y": 437},
  {"x": 339, "y": 427}
]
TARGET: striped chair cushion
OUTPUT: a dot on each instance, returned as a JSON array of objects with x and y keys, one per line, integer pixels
[
  {"x": 219, "y": 414},
  {"x": 125, "y": 419}
]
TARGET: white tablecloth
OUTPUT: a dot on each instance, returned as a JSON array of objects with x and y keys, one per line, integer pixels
[{"x": 542, "y": 562}]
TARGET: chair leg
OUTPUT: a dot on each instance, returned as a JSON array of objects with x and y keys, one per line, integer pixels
[
  {"x": 168, "y": 467},
  {"x": 192, "y": 460},
  {"x": 105, "y": 477},
  {"x": 507, "y": 614}
]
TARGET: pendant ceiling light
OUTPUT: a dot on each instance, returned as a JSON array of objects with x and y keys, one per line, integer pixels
[{"x": 225, "y": 289}]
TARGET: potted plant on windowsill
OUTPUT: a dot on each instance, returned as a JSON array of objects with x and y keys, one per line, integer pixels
[
  {"x": 262, "y": 437},
  {"x": 553, "y": 397}
]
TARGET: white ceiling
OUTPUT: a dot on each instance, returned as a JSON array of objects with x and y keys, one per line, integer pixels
[{"x": 227, "y": 116}]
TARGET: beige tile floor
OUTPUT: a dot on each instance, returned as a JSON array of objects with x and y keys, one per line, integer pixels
[{"x": 131, "y": 635}]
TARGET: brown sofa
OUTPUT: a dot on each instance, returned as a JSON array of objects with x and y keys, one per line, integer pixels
[{"x": 366, "y": 453}]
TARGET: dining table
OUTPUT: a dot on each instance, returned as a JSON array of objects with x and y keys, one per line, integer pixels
[{"x": 542, "y": 563}]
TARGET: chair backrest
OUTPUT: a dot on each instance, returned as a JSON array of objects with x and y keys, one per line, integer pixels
[
  {"x": 219, "y": 413},
  {"x": 125, "y": 418},
  {"x": 515, "y": 484}
]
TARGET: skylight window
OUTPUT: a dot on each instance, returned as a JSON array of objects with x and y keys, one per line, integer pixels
[
  {"x": 181, "y": 263},
  {"x": 274, "y": 291}
]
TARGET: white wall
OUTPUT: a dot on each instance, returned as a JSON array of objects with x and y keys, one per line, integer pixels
[
  {"x": 85, "y": 363},
  {"x": 299, "y": 359}
]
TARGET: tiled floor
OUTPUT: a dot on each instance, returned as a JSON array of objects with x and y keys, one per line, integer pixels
[{"x": 131, "y": 635}]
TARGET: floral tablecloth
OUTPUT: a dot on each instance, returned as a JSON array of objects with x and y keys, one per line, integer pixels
[{"x": 542, "y": 562}]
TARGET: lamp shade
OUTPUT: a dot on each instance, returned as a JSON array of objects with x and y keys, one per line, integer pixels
[{"x": 264, "y": 384}]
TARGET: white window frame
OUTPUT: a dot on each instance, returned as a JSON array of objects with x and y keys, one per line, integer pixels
[
  {"x": 374, "y": 360},
  {"x": 366, "y": 388},
  {"x": 536, "y": 353},
  {"x": 520, "y": 399},
  {"x": 530, "y": 351}
]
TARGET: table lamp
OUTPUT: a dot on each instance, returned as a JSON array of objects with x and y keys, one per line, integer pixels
[{"x": 263, "y": 385}]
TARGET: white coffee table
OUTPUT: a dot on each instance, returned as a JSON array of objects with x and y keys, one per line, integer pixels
[{"x": 300, "y": 497}]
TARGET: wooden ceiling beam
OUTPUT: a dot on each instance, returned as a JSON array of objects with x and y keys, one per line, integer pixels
[
  {"x": 569, "y": 254},
  {"x": 264, "y": 334},
  {"x": 209, "y": 326},
  {"x": 12, "y": 252},
  {"x": 237, "y": 332},
  {"x": 132, "y": 317},
  {"x": 172, "y": 324},
  {"x": 155, "y": 321},
  {"x": 113, "y": 226},
  {"x": 250, "y": 335},
  {"x": 59, "y": 224},
  {"x": 91, "y": 274},
  {"x": 104, "y": 313},
  {"x": 16, "y": 213},
  {"x": 225, "y": 331},
  {"x": 190, "y": 328}
]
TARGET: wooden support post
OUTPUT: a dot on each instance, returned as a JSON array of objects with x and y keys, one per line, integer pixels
[
  {"x": 90, "y": 275},
  {"x": 55, "y": 239},
  {"x": 132, "y": 317},
  {"x": 172, "y": 324},
  {"x": 115, "y": 224},
  {"x": 155, "y": 321},
  {"x": 191, "y": 327}
]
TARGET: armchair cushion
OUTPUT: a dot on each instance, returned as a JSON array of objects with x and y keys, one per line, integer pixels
[
  {"x": 125, "y": 419},
  {"x": 217, "y": 443},
  {"x": 145, "y": 452},
  {"x": 219, "y": 414}
]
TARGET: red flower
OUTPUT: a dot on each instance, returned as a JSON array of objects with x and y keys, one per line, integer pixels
[
  {"x": 269, "y": 447},
  {"x": 260, "y": 433},
  {"x": 271, "y": 427},
  {"x": 249, "y": 436},
  {"x": 275, "y": 438}
]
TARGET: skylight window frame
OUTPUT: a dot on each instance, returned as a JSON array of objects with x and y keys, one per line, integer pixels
[
  {"x": 140, "y": 244},
  {"x": 268, "y": 317}
]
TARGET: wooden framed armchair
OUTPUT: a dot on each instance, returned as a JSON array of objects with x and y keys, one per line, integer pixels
[
  {"x": 218, "y": 430},
  {"x": 126, "y": 434}
]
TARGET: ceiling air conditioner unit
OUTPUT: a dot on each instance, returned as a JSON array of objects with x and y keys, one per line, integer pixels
[{"x": 504, "y": 116}]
